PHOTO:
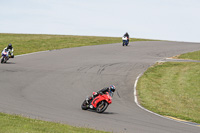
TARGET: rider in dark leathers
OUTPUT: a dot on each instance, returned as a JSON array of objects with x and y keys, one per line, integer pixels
[
  {"x": 127, "y": 35},
  {"x": 107, "y": 89},
  {"x": 10, "y": 49},
  {"x": 102, "y": 91}
]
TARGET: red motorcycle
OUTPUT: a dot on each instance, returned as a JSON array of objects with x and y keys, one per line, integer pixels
[{"x": 99, "y": 103}]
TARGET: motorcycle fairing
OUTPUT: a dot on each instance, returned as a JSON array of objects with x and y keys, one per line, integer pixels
[{"x": 100, "y": 98}]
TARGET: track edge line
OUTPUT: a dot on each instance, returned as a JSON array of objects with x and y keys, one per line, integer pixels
[{"x": 166, "y": 117}]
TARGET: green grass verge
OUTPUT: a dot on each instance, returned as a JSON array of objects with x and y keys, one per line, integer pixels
[
  {"x": 18, "y": 124},
  {"x": 172, "y": 89},
  {"x": 28, "y": 43},
  {"x": 191, "y": 55}
]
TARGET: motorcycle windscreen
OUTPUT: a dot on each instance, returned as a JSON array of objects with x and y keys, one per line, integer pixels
[{"x": 110, "y": 93}]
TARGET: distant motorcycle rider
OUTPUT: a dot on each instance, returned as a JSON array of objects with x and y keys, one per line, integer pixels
[
  {"x": 127, "y": 35},
  {"x": 110, "y": 89},
  {"x": 10, "y": 49}
]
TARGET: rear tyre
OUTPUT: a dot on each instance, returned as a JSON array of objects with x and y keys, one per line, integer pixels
[
  {"x": 102, "y": 106},
  {"x": 84, "y": 105}
]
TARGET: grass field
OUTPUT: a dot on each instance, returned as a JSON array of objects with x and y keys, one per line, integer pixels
[
  {"x": 28, "y": 43},
  {"x": 18, "y": 124},
  {"x": 172, "y": 89},
  {"x": 192, "y": 55}
]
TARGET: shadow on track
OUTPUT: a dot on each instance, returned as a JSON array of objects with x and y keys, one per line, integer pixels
[{"x": 107, "y": 113}]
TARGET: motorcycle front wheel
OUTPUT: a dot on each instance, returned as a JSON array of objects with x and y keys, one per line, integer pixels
[
  {"x": 102, "y": 106},
  {"x": 2, "y": 60},
  {"x": 84, "y": 105}
]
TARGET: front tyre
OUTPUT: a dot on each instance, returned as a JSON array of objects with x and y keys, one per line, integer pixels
[
  {"x": 102, "y": 106},
  {"x": 84, "y": 105},
  {"x": 2, "y": 59}
]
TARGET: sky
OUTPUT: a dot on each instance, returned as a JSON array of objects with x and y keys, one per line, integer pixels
[{"x": 174, "y": 20}]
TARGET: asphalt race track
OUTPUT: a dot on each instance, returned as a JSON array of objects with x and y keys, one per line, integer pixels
[{"x": 52, "y": 85}]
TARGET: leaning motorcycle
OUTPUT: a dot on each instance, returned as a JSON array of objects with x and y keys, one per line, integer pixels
[
  {"x": 99, "y": 103},
  {"x": 4, "y": 56}
]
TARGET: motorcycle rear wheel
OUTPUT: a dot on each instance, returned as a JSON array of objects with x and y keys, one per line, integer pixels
[{"x": 102, "y": 106}]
